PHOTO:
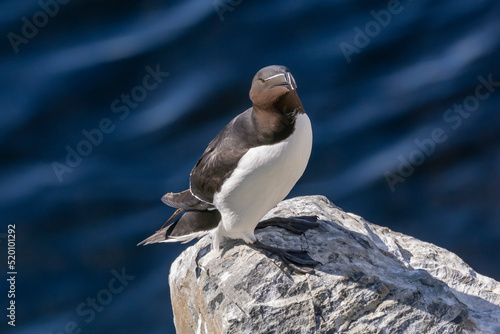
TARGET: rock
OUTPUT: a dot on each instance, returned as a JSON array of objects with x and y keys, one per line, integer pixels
[{"x": 371, "y": 280}]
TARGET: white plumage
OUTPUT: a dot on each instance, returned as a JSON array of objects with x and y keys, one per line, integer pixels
[{"x": 263, "y": 177}]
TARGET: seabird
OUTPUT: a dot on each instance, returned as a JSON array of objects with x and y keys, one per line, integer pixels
[{"x": 250, "y": 166}]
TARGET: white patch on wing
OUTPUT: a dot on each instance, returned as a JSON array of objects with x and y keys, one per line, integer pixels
[
  {"x": 187, "y": 238},
  {"x": 197, "y": 196},
  {"x": 263, "y": 177}
]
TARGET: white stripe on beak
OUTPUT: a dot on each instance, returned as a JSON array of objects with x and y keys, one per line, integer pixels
[
  {"x": 287, "y": 77},
  {"x": 274, "y": 76}
]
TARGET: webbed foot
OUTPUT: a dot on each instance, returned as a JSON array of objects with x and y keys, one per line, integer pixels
[
  {"x": 298, "y": 260},
  {"x": 297, "y": 225}
]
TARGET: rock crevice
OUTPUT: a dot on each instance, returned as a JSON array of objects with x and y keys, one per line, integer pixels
[{"x": 370, "y": 280}]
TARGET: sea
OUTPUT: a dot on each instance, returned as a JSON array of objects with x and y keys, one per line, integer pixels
[{"x": 107, "y": 105}]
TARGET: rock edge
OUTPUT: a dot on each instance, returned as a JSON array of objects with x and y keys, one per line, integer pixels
[{"x": 371, "y": 280}]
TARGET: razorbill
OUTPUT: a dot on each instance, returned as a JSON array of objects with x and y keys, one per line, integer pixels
[{"x": 250, "y": 166}]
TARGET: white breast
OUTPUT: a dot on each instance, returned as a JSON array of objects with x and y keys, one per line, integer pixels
[{"x": 264, "y": 177}]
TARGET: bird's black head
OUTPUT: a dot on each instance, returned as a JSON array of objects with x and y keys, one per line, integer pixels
[{"x": 270, "y": 85}]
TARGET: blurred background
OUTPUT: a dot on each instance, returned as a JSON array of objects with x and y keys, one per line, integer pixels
[{"x": 107, "y": 105}]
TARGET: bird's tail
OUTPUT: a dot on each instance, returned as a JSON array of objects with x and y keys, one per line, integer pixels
[
  {"x": 160, "y": 235},
  {"x": 192, "y": 224}
]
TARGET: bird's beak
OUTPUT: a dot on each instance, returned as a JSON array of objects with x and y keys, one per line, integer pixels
[
  {"x": 290, "y": 80},
  {"x": 283, "y": 80}
]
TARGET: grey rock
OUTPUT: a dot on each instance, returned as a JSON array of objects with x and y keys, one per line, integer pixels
[{"x": 370, "y": 280}]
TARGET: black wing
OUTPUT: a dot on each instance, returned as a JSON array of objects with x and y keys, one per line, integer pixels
[{"x": 222, "y": 156}]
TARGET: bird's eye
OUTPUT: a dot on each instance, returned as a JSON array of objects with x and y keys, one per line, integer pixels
[{"x": 262, "y": 80}]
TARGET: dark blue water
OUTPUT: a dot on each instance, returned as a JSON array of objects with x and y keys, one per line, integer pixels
[{"x": 413, "y": 97}]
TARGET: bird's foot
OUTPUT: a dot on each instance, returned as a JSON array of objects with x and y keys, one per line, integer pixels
[
  {"x": 297, "y": 225},
  {"x": 298, "y": 260},
  {"x": 201, "y": 253}
]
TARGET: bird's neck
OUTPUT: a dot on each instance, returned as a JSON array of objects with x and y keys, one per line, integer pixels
[
  {"x": 287, "y": 106},
  {"x": 277, "y": 121}
]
